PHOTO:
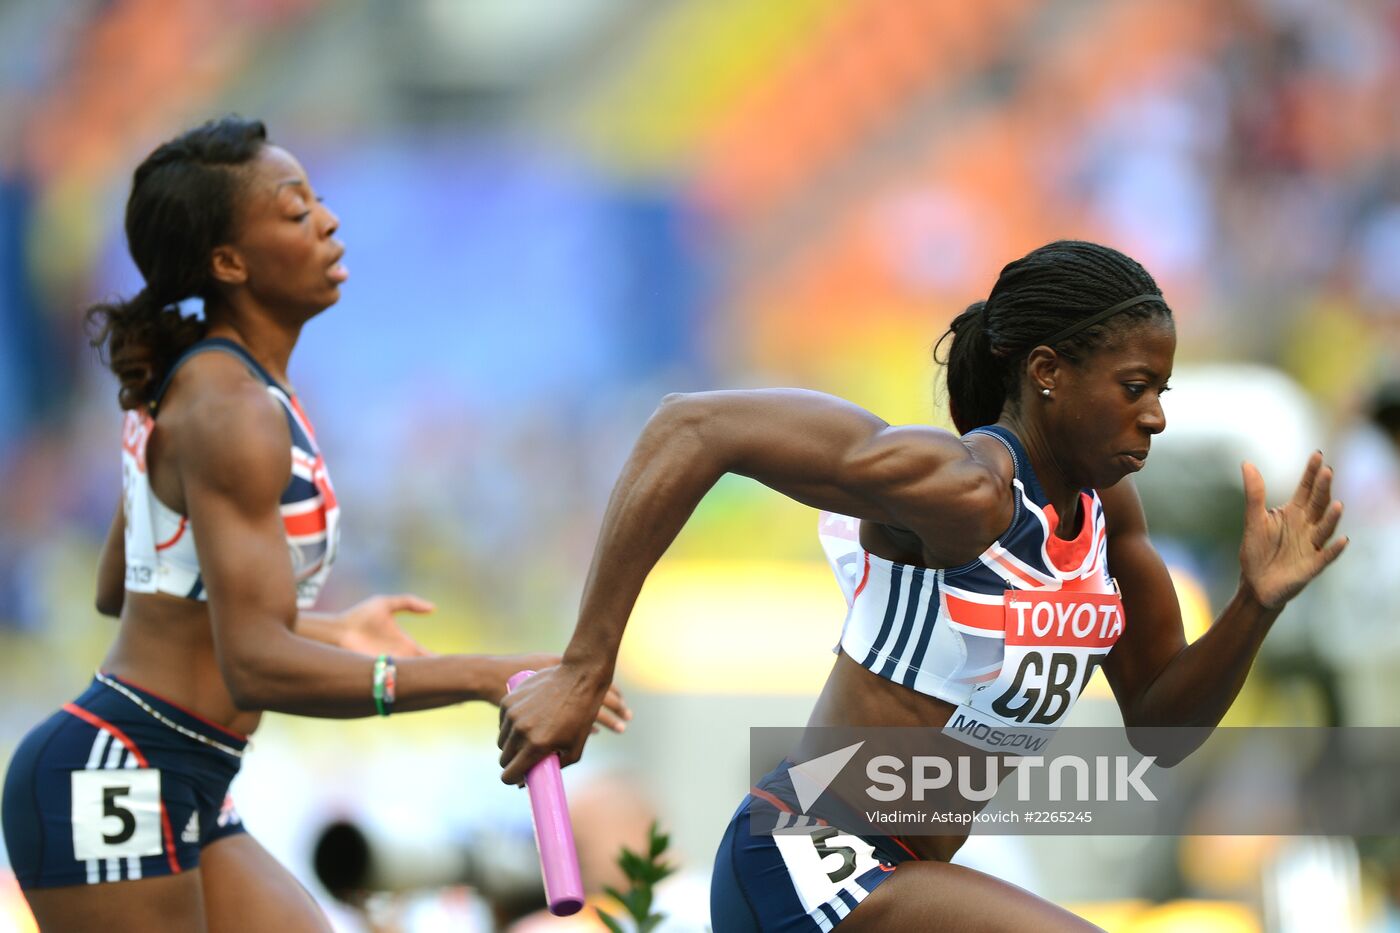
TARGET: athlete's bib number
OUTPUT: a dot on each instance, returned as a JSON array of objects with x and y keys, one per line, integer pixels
[
  {"x": 847, "y": 864},
  {"x": 824, "y": 862},
  {"x": 1054, "y": 642},
  {"x": 116, "y": 813}
]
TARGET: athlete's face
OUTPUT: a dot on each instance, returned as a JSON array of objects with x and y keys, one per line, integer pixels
[
  {"x": 284, "y": 251},
  {"x": 1108, "y": 407}
]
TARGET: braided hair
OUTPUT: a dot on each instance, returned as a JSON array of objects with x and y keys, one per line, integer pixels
[
  {"x": 1037, "y": 298},
  {"x": 182, "y": 205}
]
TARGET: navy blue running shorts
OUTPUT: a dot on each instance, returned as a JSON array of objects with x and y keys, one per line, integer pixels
[
  {"x": 779, "y": 871},
  {"x": 118, "y": 785}
]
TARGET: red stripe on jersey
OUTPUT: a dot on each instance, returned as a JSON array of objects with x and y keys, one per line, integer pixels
[
  {"x": 322, "y": 479},
  {"x": 136, "y": 428},
  {"x": 184, "y": 520},
  {"x": 1010, "y": 567},
  {"x": 864, "y": 578},
  {"x": 308, "y": 523},
  {"x": 988, "y": 616}
]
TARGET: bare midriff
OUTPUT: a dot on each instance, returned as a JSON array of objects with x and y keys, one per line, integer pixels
[
  {"x": 165, "y": 645},
  {"x": 857, "y": 698}
]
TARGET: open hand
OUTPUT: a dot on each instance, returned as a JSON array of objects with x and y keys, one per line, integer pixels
[
  {"x": 369, "y": 627},
  {"x": 1283, "y": 548}
]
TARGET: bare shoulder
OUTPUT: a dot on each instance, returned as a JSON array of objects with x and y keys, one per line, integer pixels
[
  {"x": 944, "y": 482},
  {"x": 914, "y": 453},
  {"x": 227, "y": 431}
]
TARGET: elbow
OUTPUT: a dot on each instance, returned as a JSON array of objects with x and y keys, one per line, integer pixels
[
  {"x": 671, "y": 400},
  {"x": 246, "y": 703},
  {"x": 1167, "y": 746},
  {"x": 693, "y": 435},
  {"x": 247, "y": 687},
  {"x": 985, "y": 496},
  {"x": 1162, "y": 754},
  {"x": 110, "y": 605},
  {"x": 677, "y": 411},
  {"x": 245, "y": 697},
  {"x": 680, "y": 416}
]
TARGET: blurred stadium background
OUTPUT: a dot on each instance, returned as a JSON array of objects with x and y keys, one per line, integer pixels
[{"x": 558, "y": 212}]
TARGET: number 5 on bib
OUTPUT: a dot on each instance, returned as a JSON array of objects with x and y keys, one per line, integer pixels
[{"x": 116, "y": 813}]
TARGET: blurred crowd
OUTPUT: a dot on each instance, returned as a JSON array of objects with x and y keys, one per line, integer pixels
[{"x": 554, "y": 219}]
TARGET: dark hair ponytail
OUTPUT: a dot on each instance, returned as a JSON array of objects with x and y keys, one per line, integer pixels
[
  {"x": 1035, "y": 299},
  {"x": 182, "y": 205},
  {"x": 976, "y": 386}
]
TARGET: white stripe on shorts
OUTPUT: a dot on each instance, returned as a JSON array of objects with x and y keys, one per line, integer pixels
[
  {"x": 115, "y": 751},
  {"x": 94, "y": 762},
  {"x": 117, "y": 756},
  {"x": 133, "y": 862},
  {"x": 99, "y": 750}
]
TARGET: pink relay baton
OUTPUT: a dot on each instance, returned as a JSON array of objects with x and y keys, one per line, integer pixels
[{"x": 554, "y": 834}]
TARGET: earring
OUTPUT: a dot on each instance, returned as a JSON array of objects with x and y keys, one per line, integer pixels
[{"x": 1045, "y": 392}]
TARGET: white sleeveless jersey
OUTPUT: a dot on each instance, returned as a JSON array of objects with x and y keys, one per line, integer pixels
[
  {"x": 160, "y": 552},
  {"x": 1010, "y": 639}
]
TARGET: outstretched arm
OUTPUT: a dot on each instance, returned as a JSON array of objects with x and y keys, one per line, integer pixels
[
  {"x": 814, "y": 448},
  {"x": 234, "y": 461},
  {"x": 1157, "y": 678}
]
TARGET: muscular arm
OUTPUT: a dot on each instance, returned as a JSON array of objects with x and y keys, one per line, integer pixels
[
  {"x": 111, "y": 567},
  {"x": 814, "y": 448},
  {"x": 234, "y": 460},
  {"x": 1157, "y": 678},
  {"x": 811, "y": 447}
]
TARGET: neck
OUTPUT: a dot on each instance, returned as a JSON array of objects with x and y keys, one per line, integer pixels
[
  {"x": 269, "y": 341},
  {"x": 1062, "y": 493}
]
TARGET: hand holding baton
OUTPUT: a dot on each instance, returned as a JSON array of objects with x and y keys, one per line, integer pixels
[{"x": 554, "y": 834}]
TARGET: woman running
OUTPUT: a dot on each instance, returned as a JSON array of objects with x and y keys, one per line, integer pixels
[
  {"x": 115, "y": 808},
  {"x": 1055, "y": 383}
]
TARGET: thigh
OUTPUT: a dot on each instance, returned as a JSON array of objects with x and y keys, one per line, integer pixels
[
  {"x": 245, "y": 888},
  {"x": 921, "y": 896},
  {"x": 172, "y": 904}
]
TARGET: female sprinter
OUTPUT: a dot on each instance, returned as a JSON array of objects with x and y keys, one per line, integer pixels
[
  {"x": 1055, "y": 382},
  {"x": 114, "y": 808}
]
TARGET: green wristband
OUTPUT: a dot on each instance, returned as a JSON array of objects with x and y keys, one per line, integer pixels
[{"x": 381, "y": 667}]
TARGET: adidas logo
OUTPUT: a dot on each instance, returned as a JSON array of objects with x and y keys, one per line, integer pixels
[{"x": 191, "y": 830}]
